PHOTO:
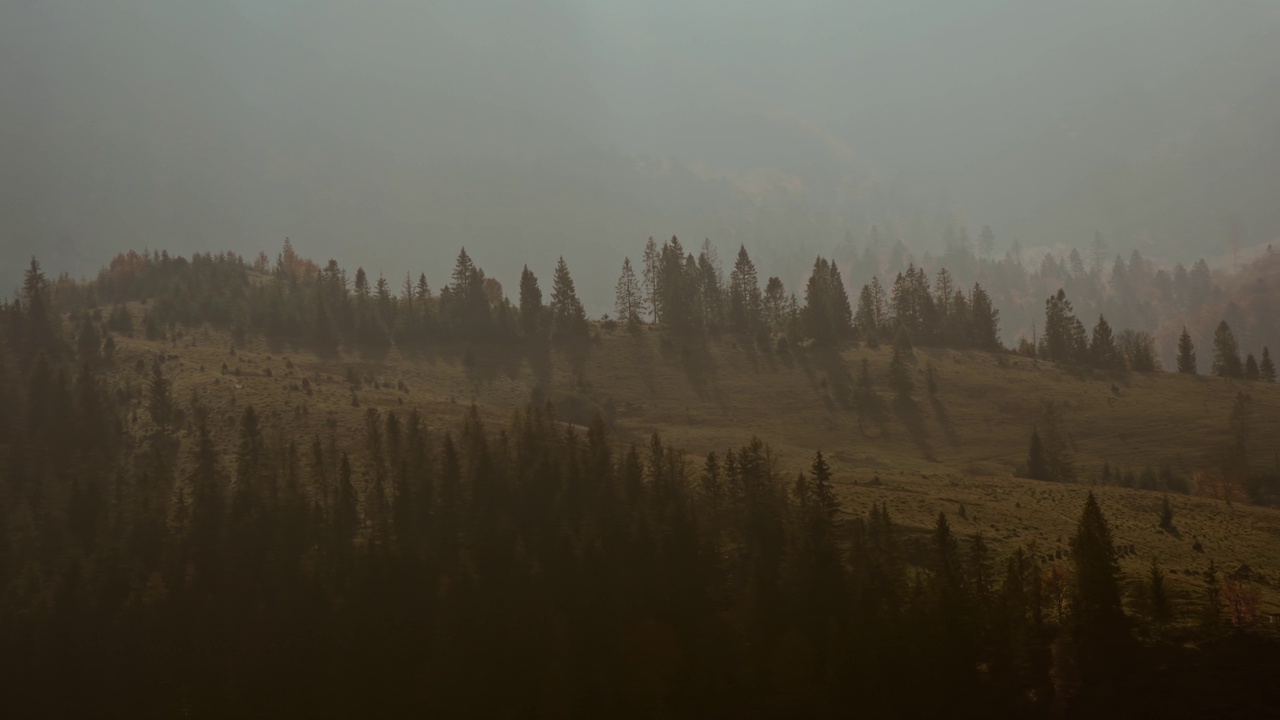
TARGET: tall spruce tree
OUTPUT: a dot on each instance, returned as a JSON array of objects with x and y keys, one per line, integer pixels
[
  {"x": 985, "y": 320},
  {"x": 1061, "y": 340},
  {"x": 865, "y": 319},
  {"x": 568, "y": 319},
  {"x": 1098, "y": 623},
  {"x": 1251, "y": 371},
  {"x": 774, "y": 302},
  {"x": 711, "y": 286},
  {"x": 1226, "y": 353},
  {"x": 1266, "y": 368},
  {"x": 629, "y": 297},
  {"x": 1186, "y": 353},
  {"x": 532, "y": 311},
  {"x": 649, "y": 283},
  {"x": 744, "y": 294},
  {"x": 1102, "y": 348}
]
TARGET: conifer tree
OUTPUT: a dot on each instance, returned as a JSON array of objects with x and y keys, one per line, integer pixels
[
  {"x": 532, "y": 311},
  {"x": 838, "y": 301},
  {"x": 1102, "y": 348},
  {"x": 362, "y": 284},
  {"x": 711, "y": 285},
  {"x": 824, "y": 497},
  {"x": 39, "y": 326},
  {"x": 1097, "y": 618},
  {"x": 1250, "y": 368},
  {"x": 346, "y": 517},
  {"x": 879, "y": 306},
  {"x": 949, "y": 593},
  {"x": 650, "y": 284},
  {"x": 629, "y": 298},
  {"x": 775, "y": 302},
  {"x": 568, "y": 319},
  {"x": 744, "y": 293},
  {"x": 1226, "y": 354},
  {"x": 865, "y": 319},
  {"x": 1186, "y": 353},
  {"x": 944, "y": 296},
  {"x": 1266, "y": 368},
  {"x": 817, "y": 313},
  {"x": 1061, "y": 340}
]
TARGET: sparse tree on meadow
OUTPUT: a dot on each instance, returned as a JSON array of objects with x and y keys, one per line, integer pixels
[
  {"x": 1250, "y": 368},
  {"x": 1226, "y": 353},
  {"x": 1266, "y": 368},
  {"x": 985, "y": 320},
  {"x": 1186, "y": 353},
  {"x": 1102, "y": 348}
]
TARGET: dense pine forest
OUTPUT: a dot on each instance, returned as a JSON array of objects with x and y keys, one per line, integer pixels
[{"x": 155, "y": 561}]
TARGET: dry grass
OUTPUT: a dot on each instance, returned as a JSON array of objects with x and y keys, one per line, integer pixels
[{"x": 930, "y": 456}]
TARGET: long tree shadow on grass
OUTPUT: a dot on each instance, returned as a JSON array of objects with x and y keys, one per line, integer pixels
[
  {"x": 537, "y": 352},
  {"x": 694, "y": 358},
  {"x": 833, "y": 371},
  {"x": 485, "y": 362},
  {"x": 643, "y": 361},
  {"x": 913, "y": 419},
  {"x": 948, "y": 428},
  {"x": 577, "y": 351}
]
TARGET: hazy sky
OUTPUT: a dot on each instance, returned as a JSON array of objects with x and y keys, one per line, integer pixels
[{"x": 390, "y": 133}]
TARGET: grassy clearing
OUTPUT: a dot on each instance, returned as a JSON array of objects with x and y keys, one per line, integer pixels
[{"x": 930, "y": 454}]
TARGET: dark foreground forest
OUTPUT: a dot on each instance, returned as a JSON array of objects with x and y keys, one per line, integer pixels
[{"x": 535, "y": 568}]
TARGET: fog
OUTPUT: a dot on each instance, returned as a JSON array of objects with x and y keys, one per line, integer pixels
[{"x": 391, "y": 134}]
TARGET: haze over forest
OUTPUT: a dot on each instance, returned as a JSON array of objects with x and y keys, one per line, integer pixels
[
  {"x": 393, "y": 133},
  {"x": 581, "y": 358}
]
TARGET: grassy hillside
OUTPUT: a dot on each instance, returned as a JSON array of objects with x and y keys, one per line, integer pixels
[{"x": 956, "y": 450}]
